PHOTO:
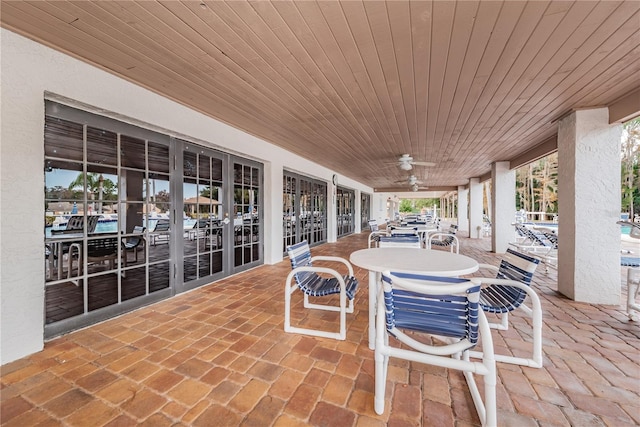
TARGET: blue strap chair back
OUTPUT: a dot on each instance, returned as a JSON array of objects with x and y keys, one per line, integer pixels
[
  {"x": 446, "y": 239},
  {"x": 404, "y": 231},
  {"x": 451, "y": 315},
  {"x": 310, "y": 282},
  {"x": 440, "y": 306},
  {"x": 410, "y": 241},
  {"x": 514, "y": 266}
]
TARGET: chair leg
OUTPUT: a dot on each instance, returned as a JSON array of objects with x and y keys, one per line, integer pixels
[
  {"x": 536, "y": 336},
  {"x": 342, "y": 335},
  {"x": 382, "y": 363}
]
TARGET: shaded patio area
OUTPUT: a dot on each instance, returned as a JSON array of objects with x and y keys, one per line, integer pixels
[{"x": 218, "y": 356}]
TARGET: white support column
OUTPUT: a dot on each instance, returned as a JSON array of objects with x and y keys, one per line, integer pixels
[
  {"x": 273, "y": 233},
  {"x": 503, "y": 206},
  {"x": 475, "y": 208},
  {"x": 463, "y": 210},
  {"x": 589, "y": 206}
]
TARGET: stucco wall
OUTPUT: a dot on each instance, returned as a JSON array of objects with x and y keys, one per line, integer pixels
[
  {"x": 589, "y": 168},
  {"x": 29, "y": 73}
]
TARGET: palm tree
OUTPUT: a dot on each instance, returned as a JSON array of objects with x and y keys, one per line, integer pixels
[{"x": 95, "y": 184}]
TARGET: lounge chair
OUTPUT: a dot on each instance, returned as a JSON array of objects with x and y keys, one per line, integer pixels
[
  {"x": 161, "y": 232},
  {"x": 542, "y": 244},
  {"x": 507, "y": 292},
  {"x": 307, "y": 279},
  {"x": 440, "y": 306}
]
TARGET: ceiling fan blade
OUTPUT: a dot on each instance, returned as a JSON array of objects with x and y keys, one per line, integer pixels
[{"x": 423, "y": 163}]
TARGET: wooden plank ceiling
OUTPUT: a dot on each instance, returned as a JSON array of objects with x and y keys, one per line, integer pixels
[{"x": 354, "y": 85}]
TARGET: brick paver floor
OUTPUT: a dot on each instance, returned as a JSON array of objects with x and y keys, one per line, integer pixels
[{"x": 218, "y": 356}]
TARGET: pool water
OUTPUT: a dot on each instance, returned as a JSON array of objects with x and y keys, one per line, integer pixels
[{"x": 112, "y": 226}]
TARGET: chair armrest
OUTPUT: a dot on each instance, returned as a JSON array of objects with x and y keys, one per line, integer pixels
[
  {"x": 442, "y": 234},
  {"x": 312, "y": 269},
  {"x": 488, "y": 267},
  {"x": 334, "y": 259},
  {"x": 484, "y": 281}
]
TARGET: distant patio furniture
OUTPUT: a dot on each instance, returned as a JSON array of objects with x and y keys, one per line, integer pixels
[
  {"x": 439, "y": 306},
  {"x": 376, "y": 233},
  {"x": 633, "y": 285},
  {"x": 213, "y": 236},
  {"x": 57, "y": 250},
  {"x": 507, "y": 292},
  {"x": 103, "y": 249},
  {"x": 134, "y": 243},
  {"x": 633, "y": 273},
  {"x": 307, "y": 279},
  {"x": 199, "y": 229},
  {"x": 542, "y": 244},
  {"x": 161, "y": 232}
]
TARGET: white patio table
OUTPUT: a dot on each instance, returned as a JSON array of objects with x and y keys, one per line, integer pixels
[{"x": 407, "y": 260}]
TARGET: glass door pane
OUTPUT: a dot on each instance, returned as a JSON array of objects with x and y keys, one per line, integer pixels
[
  {"x": 247, "y": 214},
  {"x": 202, "y": 210}
]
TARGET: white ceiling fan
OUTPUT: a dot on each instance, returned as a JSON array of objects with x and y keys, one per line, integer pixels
[
  {"x": 406, "y": 163},
  {"x": 414, "y": 183}
]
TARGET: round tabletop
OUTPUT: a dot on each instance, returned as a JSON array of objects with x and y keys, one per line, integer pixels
[{"x": 412, "y": 260}]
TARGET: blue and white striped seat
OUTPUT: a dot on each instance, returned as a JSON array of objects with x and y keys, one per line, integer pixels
[
  {"x": 442, "y": 306},
  {"x": 308, "y": 280},
  {"x": 445, "y": 239},
  {"x": 507, "y": 292}
]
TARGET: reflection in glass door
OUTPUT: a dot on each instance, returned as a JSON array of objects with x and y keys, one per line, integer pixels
[
  {"x": 133, "y": 216},
  {"x": 365, "y": 210},
  {"x": 247, "y": 218},
  {"x": 345, "y": 211},
  {"x": 304, "y": 210},
  {"x": 104, "y": 181},
  {"x": 203, "y": 227}
]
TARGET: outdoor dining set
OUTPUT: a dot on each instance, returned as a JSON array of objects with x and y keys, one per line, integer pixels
[{"x": 426, "y": 304}]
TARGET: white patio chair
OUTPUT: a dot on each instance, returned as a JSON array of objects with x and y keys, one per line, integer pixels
[
  {"x": 376, "y": 233},
  {"x": 308, "y": 280},
  {"x": 440, "y": 306},
  {"x": 445, "y": 239},
  {"x": 507, "y": 292}
]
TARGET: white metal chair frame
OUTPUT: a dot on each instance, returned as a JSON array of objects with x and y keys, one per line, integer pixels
[
  {"x": 295, "y": 279},
  {"x": 444, "y": 240},
  {"x": 453, "y": 355},
  {"x": 505, "y": 296}
]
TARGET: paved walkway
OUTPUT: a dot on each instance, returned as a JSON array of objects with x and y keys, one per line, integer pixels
[{"x": 218, "y": 356}]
